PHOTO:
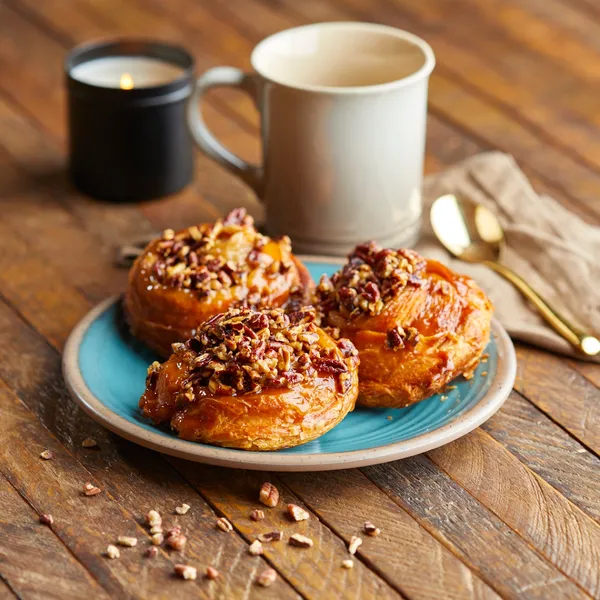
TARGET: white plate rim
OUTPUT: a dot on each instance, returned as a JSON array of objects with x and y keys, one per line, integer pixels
[{"x": 273, "y": 461}]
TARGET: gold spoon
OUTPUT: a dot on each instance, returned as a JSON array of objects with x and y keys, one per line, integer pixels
[{"x": 472, "y": 233}]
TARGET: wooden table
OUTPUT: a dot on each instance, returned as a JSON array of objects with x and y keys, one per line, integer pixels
[{"x": 511, "y": 510}]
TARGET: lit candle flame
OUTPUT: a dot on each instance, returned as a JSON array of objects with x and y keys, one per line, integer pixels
[{"x": 126, "y": 82}]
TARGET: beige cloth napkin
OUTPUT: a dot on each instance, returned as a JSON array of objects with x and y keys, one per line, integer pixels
[{"x": 556, "y": 252}]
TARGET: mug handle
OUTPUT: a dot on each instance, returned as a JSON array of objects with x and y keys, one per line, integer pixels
[{"x": 207, "y": 142}]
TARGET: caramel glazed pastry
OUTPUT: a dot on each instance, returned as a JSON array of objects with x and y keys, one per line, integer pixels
[
  {"x": 184, "y": 278},
  {"x": 416, "y": 324},
  {"x": 254, "y": 380}
]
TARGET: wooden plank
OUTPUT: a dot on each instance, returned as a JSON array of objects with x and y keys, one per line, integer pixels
[
  {"x": 5, "y": 591},
  {"x": 32, "y": 560},
  {"x": 485, "y": 543},
  {"x": 591, "y": 371},
  {"x": 84, "y": 524},
  {"x": 532, "y": 508},
  {"x": 344, "y": 500},
  {"x": 565, "y": 395},
  {"x": 549, "y": 451},
  {"x": 314, "y": 572}
]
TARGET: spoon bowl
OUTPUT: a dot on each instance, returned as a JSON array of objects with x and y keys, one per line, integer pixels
[
  {"x": 472, "y": 233},
  {"x": 467, "y": 230}
]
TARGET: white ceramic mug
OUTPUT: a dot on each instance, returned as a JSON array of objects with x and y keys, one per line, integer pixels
[{"x": 343, "y": 113}]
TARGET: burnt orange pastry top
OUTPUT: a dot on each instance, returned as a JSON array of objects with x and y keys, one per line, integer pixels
[
  {"x": 254, "y": 380},
  {"x": 184, "y": 278},
  {"x": 415, "y": 323}
]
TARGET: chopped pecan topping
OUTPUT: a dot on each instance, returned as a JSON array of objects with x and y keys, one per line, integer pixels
[
  {"x": 224, "y": 525},
  {"x": 181, "y": 510},
  {"x": 269, "y": 494},
  {"x": 398, "y": 337},
  {"x": 46, "y": 520},
  {"x": 297, "y": 513},
  {"x": 243, "y": 351},
  {"x": 125, "y": 540},
  {"x": 267, "y": 578},
  {"x": 371, "y": 276},
  {"x": 257, "y": 515},
  {"x": 177, "y": 541},
  {"x": 153, "y": 519},
  {"x": 370, "y": 529},
  {"x": 158, "y": 538},
  {"x": 194, "y": 258},
  {"x": 255, "y": 548},
  {"x": 355, "y": 542},
  {"x": 300, "y": 540},
  {"x": 272, "y": 536},
  {"x": 89, "y": 489},
  {"x": 186, "y": 572}
]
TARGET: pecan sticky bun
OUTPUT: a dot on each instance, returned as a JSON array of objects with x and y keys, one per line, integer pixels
[
  {"x": 254, "y": 380},
  {"x": 416, "y": 324},
  {"x": 184, "y": 278}
]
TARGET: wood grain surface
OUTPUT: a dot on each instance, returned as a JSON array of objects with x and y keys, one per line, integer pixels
[{"x": 511, "y": 510}]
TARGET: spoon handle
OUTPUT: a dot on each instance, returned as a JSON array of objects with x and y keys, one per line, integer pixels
[{"x": 585, "y": 342}]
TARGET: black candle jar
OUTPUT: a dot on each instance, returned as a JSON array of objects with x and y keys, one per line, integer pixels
[{"x": 129, "y": 139}]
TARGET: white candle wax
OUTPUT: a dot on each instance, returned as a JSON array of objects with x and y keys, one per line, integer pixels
[{"x": 126, "y": 72}]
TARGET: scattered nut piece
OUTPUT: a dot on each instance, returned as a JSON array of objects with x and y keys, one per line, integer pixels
[
  {"x": 257, "y": 515},
  {"x": 297, "y": 512},
  {"x": 47, "y": 455},
  {"x": 89, "y": 489},
  {"x": 443, "y": 398},
  {"x": 112, "y": 551},
  {"x": 390, "y": 418},
  {"x": 89, "y": 443},
  {"x": 370, "y": 529},
  {"x": 348, "y": 564},
  {"x": 156, "y": 529},
  {"x": 224, "y": 525},
  {"x": 267, "y": 578},
  {"x": 272, "y": 536},
  {"x": 125, "y": 540},
  {"x": 186, "y": 572},
  {"x": 255, "y": 548},
  {"x": 355, "y": 542},
  {"x": 181, "y": 510},
  {"x": 484, "y": 373},
  {"x": 212, "y": 573},
  {"x": 269, "y": 494},
  {"x": 158, "y": 539},
  {"x": 46, "y": 519},
  {"x": 177, "y": 541},
  {"x": 300, "y": 540},
  {"x": 153, "y": 519},
  {"x": 152, "y": 552}
]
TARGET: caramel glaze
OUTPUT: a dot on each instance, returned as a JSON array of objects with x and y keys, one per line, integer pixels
[
  {"x": 452, "y": 316},
  {"x": 273, "y": 419},
  {"x": 160, "y": 315}
]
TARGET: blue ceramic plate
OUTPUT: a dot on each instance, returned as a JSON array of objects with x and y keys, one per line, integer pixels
[{"x": 105, "y": 370}]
